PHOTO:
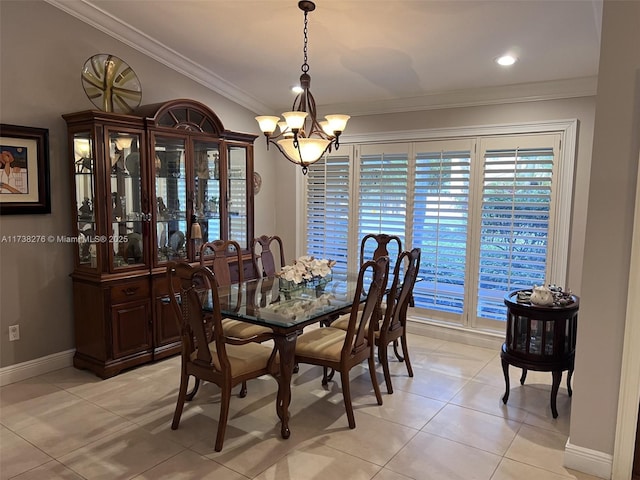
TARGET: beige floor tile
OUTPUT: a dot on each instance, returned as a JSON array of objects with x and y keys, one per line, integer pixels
[
  {"x": 310, "y": 461},
  {"x": 17, "y": 455},
  {"x": 121, "y": 455},
  {"x": 23, "y": 403},
  {"x": 428, "y": 457},
  {"x": 52, "y": 470},
  {"x": 539, "y": 447},
  {"x": 492, "y": 374},
  {"x": 488, "y": 398},
  {"x": 476, "y": 429},
  {"x": 405, "y": 408},
  {"x": 189, "y": 465},
  {"x": 61, "y": 431},
  {"x": 373, "y": 439},
  {"x": 385, "y": 474},
  {"x": 429, "y": 383},
  {"x": 511, "y": 470}
]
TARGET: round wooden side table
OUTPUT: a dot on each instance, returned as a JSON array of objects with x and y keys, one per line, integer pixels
[{"x": 540, "y": 339}]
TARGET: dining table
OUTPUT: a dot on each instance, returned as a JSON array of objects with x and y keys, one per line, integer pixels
[{"x": 287, "y": 308}]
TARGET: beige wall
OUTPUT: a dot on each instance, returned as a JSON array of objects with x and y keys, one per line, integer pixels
[
  {"x": 42, "y": 51},
  {"x": 608, "y": 230}
]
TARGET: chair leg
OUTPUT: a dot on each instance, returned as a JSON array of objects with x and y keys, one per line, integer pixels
[
  {"x": 405, "y": 350},
  {"x": 182, "y": 394},
  {"x": 346, "y": 395},
  {"x": 222, "y": 421},
  {"x": 384, "y": 360},
  {"x": 374, "y": 380},
  {"x": 193, "y": 392},
  {"x": 326, "y": 376},
  {"x": 243, "y": 390},
  {"x": 395, "y": 350}
]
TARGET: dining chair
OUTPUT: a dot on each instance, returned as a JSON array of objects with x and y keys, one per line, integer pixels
[
  {"x": 220, "y": 360},
  {"x": 393, "y": 327},
  {"x": 341, "y": 350},
  {"x": 215, "y": 255},
  {"x": 391, "y": 324},
  {"x": 372, "y": 247},
  {"x": 266, "y": 256}
]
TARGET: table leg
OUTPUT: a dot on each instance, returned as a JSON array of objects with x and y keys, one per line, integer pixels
[
  {"x": 570, "y": 374},
  {"x": 505, "y": 370},
  {"x": 286, "y": 345},
  {"x": 557, "y": 378}
]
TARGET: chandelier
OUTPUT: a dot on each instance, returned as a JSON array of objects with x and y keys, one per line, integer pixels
[{"x": 302, "y": 139}]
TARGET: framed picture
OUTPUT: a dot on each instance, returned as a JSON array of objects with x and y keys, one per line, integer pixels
[{"x": 24, "y": 170}]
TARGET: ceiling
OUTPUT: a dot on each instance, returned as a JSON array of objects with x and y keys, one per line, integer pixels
[{"x": 365, "y": 56}]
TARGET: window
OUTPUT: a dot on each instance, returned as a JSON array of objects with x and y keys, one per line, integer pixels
[
  {"x": 440, "y": 224},
  {"x": 484, "y": 210},
  {"x": 382, "y": 193},
  {"x": 328, "y": 209}
]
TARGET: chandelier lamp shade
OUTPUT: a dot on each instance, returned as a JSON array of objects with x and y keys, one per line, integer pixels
[{"x": 302, "y": 139}]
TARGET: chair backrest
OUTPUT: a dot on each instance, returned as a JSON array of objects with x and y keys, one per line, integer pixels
[
  {"x": 194, "y": 285},
  {"x": 215, "y": 255},
  {"x": 267, "y": 259},
  {"x": 400, "y": 293},
  {"x": 359, "y": 334},
  {"x": 383, "y": 243}
]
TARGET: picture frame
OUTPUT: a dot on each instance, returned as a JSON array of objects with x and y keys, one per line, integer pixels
[{"x": 24, "y": 170}]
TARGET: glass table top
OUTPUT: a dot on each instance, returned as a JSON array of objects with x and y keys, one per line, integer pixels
[{"x": 274, "y": 302}]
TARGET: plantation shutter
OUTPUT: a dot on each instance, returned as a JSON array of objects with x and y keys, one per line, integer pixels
[
  {"x": 382, "y": 192},
  {"x": 328, "y": 209},
  {"x": 515, "y": 221},
  {"x": 440, "y": 224}
]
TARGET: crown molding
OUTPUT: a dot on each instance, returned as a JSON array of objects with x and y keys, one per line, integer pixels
[
  {"x": 528, "y": 92},
  {"x": 116, "y": 28}
]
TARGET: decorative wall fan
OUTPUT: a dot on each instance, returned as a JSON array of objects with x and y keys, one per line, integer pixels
[{"x": 111, "y": 84}]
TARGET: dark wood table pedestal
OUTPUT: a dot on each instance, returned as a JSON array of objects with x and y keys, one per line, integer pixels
[{"x": 540, "y": 339}]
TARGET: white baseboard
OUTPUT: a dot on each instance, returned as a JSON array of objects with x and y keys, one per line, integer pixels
[
  {"x": 588, "y": 461},
  {"x": 33, "y": 368},
  {"x": 451, "y": 333}
]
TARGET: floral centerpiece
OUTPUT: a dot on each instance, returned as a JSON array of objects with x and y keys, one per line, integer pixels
[{"x": 305, "y": 269}]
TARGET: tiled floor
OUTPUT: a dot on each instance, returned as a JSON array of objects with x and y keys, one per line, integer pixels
[{"x": 446, "y": 423}]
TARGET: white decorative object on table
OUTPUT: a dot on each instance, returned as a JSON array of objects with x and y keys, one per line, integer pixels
[
  {"x": 542, "y": 296},
  {"x": 306, "y": 268}
]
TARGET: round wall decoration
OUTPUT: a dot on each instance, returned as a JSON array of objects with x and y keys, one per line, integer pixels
[
  {"x": 111, "y": 84},
  {"x": 257, "y": 183}
]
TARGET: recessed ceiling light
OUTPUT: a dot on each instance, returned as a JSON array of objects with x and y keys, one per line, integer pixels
[
  {"x": 506, "y": 60},
  {"x": 296, "y": 89}
]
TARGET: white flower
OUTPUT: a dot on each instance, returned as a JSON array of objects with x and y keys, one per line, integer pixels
[{"x": 306, "y": 268}]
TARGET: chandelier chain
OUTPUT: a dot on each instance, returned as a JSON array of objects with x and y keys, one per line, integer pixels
[{"x": 305, "y": 65}]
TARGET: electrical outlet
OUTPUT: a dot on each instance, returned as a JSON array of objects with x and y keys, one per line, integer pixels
[{"x": 14, "y": 332}]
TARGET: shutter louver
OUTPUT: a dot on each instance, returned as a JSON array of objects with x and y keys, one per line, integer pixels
[
  {"x": 514, "y": 228},
  {"x": 328, "y": 210},
  {"x": 382, "y": 197},
  {"x": 440, "y": 224}
]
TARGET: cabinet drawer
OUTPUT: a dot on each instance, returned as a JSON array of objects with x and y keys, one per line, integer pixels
[{"x": 127, "y": 291}]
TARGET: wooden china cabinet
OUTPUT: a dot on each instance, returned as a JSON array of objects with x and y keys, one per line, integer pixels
[{"x": 139, "y": 183}]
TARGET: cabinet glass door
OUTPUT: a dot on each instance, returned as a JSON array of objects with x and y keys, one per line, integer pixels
[
  {"x": 127, "y": 217},
  {"x": 84, "y": 179},
  {"x": 237, "y": 195},
  {"x": 170, "y": 197},
  {"x": 207, "y": 190}
]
